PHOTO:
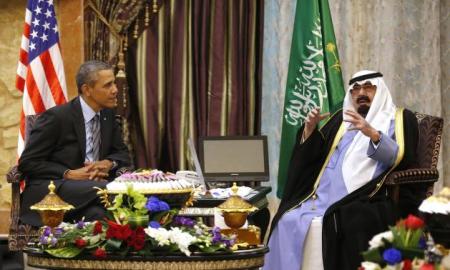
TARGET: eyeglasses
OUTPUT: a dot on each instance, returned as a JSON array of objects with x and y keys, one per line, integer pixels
[{"x": 366, "y": 87}]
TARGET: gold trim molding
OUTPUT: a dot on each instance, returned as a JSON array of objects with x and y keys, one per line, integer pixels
[{"x": 53, "y": 263}]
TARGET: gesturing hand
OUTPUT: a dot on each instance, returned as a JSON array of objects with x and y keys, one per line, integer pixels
[
  {"x": 313, "y": 118},
  {"x": 359, "y": 123}
]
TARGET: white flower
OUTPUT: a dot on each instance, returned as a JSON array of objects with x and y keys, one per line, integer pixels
[
  {"x": 377, "y": 240},
  {"x": 182, "y": 239},
  {"x": 161, "y": 235},
  {"x": 67, "y": 226},
  {"x": 392, "y": 267},
  {"x": 198, "y": 230},
  {"x": 370, "y": 266}
]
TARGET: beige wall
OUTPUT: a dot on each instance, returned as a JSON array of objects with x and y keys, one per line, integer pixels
[
  {"x": 12, "y": 15},
  {"x": 70, "y": 19}
]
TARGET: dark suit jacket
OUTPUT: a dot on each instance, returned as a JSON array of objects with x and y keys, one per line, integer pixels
[{"x": 57, "y": 142}]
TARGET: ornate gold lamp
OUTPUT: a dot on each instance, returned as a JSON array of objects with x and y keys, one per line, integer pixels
[
  {"x": 52, "y": 208},
  {"x": 235, "y": 211}
]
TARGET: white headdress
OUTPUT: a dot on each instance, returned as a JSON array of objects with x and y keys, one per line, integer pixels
[{"x": 357, "y": 168}]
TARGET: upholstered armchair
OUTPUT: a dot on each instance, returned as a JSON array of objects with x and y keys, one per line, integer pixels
[
  {"x": 20, "y": 234},
  {"x": 430, "y": 135},
  {"x": 426, "y": 173}
]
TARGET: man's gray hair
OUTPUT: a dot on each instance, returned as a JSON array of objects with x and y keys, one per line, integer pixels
[{"x": 87, "y": 74}]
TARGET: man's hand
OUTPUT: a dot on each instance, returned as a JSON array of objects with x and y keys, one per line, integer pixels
[
  {"x": 101, "y": 165},
  {"x": 313, "y": 118},
  {"x": 359, "y": 123},
  {"x": 85, "y": 173}
]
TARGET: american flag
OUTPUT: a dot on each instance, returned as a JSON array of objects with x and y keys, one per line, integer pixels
[{"x": 40, "y": 73}]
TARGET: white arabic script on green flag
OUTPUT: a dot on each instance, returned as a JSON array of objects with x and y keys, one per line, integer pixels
[{"x": 314, "y": 76}]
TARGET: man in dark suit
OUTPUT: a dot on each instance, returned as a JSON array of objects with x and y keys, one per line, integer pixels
[{"x": 78, "y": 145}]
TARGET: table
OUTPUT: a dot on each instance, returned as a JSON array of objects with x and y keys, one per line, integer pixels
[
  {"x": 204, "y": 207},
  {"x": 242, "y": 259}
]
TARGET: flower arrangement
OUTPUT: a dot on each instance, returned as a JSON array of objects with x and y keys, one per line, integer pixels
[
  {"x": 403, "y": 247},
  {"x": 135, "y": 224}
]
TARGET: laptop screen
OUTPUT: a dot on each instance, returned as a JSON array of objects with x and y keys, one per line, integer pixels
[{"x": 234, "y": 158}]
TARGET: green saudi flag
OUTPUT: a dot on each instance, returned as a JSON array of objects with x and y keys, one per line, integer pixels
[{"x": 314, "y": 76}]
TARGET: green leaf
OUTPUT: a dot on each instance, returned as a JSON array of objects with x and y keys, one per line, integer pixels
[
  {"x": 173, "y": 247},
  {"x": 65, "y": 252},
  {"x": 117, "y": 202},
  {"x": 139, "y": 199},
  {"x": 138, "y": 220},
  {"x": 113, "y": 244},
  {"x": 124, "y": 252},
  {"x": 211, "y": 249},
  {"x": 145, "y": 252},
  {"x": 94, "y": 241},
  {"x": 109, "y": 215},
  {"x": 412, "y": 253},
  {"x": 415, "y": 238},
  {"x": 372, "y": 255},
  {"x": 94, "y": 245}
]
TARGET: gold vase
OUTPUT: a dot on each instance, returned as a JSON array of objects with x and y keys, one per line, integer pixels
[
  {"x": 52, "y": 208},
  {"x": 235, "y": 210}
]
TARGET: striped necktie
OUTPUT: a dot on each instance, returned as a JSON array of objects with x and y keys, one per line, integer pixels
[{"x": 94, "y": 142}]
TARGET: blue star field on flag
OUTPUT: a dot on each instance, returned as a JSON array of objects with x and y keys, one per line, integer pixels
[{"x": 43, "y": 28}]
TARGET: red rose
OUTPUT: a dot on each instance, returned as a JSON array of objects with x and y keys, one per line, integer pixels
[
  {"x": 139, "y": 244},
  {"x": 140, "y": 233},
  {"x": 130, "y": 240},
  {"x": 413, "y": 222},
  {"x": 112, "y": 230},
  {"x": 137, "y": 239},
  {"x": 124, "y": 232},
  {"x": 80, "y": 243},
  {"x": 99, "y": 253},
  {"x": 98, "y": 228},
  {"x": 407, "y": 264},
  {"x": 427, "y": 266},
  {"x": 109, "y": 233},
  {"x": 118, "y": 231}
]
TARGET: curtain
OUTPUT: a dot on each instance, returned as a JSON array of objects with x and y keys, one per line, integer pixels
[
  {"x": 105, "y": 21},
  {"x": 110, "y": 26},
  {"x": 408, "y": 41},
  {"x": 195, "y": 71}
]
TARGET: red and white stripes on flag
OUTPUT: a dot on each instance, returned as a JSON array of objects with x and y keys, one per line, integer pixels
[{"x": 40, "y": 73}]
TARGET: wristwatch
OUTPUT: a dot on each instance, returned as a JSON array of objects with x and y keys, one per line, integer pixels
[{"x": 114, "y": 164}]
